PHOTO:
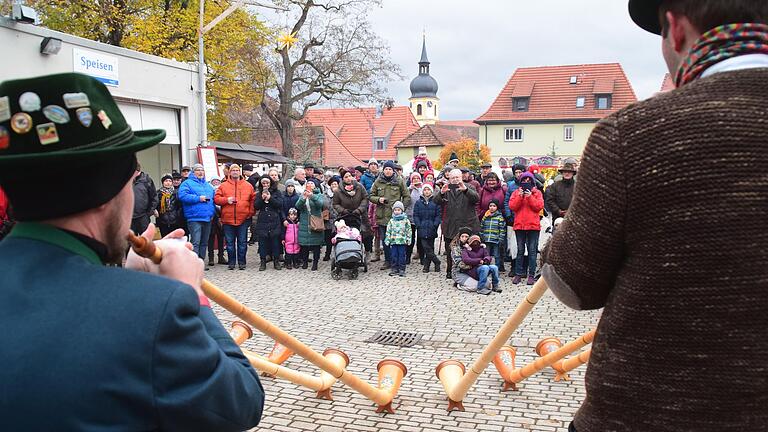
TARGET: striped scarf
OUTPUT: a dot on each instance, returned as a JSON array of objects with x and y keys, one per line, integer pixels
[{"x": 722, "y": 43}]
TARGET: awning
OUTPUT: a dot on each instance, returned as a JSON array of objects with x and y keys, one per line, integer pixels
[{"x": 248, "y": 153}]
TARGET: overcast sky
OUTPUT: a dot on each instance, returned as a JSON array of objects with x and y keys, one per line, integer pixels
[{"x": 475, "y": 46}]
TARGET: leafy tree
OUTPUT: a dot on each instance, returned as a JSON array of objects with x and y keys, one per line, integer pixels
[
  {"x": 337, "y": 58},
  {"x": 470, "y": 155},
  {"x": 168, "y": 28}
]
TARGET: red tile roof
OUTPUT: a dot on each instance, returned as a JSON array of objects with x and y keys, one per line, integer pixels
[
  {"x": 431, "y": 135},
  {"x": 462, "y": 123},
  {"x": 350, "y": 132},
  {"x": 667, "y": 84},
  {"x": 523, "y": 89},
  {"x": 554, "y": 98}
]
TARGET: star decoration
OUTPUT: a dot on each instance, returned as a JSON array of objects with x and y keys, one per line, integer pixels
[{"x": 287, "y": 40}]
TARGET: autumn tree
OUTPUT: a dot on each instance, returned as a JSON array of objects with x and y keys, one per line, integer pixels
[
  {"x": 469, "y": 153},
  {"x": 337, "y": 58},
  {"x": 168, "y": 28}
]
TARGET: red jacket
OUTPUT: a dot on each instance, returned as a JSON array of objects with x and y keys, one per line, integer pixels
[
  {"x": 3, "y": 205},
  {"x": 526, "y": 209},
  {"x": 236, "y": 213}
]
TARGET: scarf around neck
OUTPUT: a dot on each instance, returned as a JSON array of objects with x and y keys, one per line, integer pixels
[
  {"x": 165, "y": 199},
  {"x": 722, "y": 43}
]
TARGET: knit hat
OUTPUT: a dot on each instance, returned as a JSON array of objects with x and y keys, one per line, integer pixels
[
  {"x": 398, "y": 204},
  {"x": 494, "y": 201},
  {"x": 214, "y": 178},
  {"x": 422, "y": 150},
  {"x": 518, "y": 167},
  {"x": 166, "y": 177},
  {"x": 335, "y": 178},
  {"x": 534, "y": 168},
  {"x": 415, "y": 174},
  {"x": 175, "y": 174},
  {"x": 197, "y": 166},
  {"x": 422, "y": 163},
  {"x": 465, "y": 230},
  {"x": 233, "y": 166},
  {"x": 389, "y": 164},
  {"x": 373, "y": 161},
  {"x": 293, "y": 211},
  {"x": 474, "y": 238},
  {"x": 453, "y": 157},
  {"x": 428, "y": 186},
  {"x": 248, "y": 167},
  {"x": 290, "y": 182}
]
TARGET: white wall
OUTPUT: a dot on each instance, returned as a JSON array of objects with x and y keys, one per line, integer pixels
[{"x": 143, "y": 79}]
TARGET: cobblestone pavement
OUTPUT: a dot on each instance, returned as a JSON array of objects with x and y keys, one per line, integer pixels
[{"x": 325, "y": 313}]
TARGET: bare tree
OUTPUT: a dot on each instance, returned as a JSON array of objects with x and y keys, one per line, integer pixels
[{"x": 338, "y": 59}]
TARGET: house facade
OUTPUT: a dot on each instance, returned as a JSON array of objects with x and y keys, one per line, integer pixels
[{"x": 547, "y": 113}]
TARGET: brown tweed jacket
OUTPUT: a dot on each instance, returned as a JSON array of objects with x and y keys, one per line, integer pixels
[{"x": 667, "y": 231}]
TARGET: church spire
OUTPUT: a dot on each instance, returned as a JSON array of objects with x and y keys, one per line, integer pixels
[{"x": 424, "y": 59}]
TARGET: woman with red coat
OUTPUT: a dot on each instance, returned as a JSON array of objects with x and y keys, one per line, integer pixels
[{"x": 527, "y": 201}]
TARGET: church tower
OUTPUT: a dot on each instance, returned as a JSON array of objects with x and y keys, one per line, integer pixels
[{"x": 424, "y": 100}]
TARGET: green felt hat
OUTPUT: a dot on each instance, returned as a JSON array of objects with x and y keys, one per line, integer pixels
[{"x": 67, "y": 117}]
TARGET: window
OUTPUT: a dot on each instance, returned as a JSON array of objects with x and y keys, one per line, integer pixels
[
  {"x": 418, "y": 109},
  {"x": 568, "y": 133},
  {"x": 513, "y": 134},
  {"x": 521, "y": 104},
  {"x": 379, "y": 143},
  {"x": 581, "y": 101},
  {"x": 574, "y": 79},
  {"x": 435, "y": 110},
  {"x": 603, "y": 102}
]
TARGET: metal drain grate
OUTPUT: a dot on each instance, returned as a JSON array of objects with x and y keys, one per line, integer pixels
[{"x": 402, "y": 339}]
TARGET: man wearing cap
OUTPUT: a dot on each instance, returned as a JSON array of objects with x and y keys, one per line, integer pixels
[
  {"x": 185, "y": 170},
  {"x": 559, "y": 194},
  {"x": 651, "y": 237},
  {"x": 236, "y": 197},
  {"x": 386, "y": 190},
  {"x": 485, "y": 169},
  {"x": 196, "y": 196},
  {"x": 144, "y": 200},
  {"x": 144, "y": 350}
]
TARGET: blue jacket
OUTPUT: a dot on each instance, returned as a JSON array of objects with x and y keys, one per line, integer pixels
[
  {"x": 367, "y": 180},
  {"x": 108, "y": 348},
  {"x": 426, "y": 217},
  {"x": 189, "y": 195},
  {"x": 511, "y": 187}
]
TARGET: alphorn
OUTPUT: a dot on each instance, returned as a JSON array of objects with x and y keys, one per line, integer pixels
[
  {"x": 322, "y": 385},
  {"x": 278, "y": 356},
  {"x": 391, "y": 371},
  {"x": 453, "y": 375},
  {"x": 514, "y": 376},
  {"x": 548, "y": 345},
  {"x": 572, "y": 363}
]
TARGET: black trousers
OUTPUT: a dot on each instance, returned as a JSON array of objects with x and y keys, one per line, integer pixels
[
  {"x": 328, "y": 245},
  {"x": 315, "y": 253},
  {"x": 216, "y": 239},
  {"x": 140, "y": 224},
  {"x": 428, "y": 250},
  {"x": 448, "y": 260}
]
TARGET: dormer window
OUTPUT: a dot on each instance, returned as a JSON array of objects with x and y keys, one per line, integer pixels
[
  {"x": 521, "y": 103},
  {"x": 379, "y": 144},
  {"x": 603, "y": 101},
  {"x": 581, "y": 101}
]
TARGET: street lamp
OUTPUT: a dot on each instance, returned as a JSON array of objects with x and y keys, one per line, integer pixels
[{"x": 201, "y": 70}]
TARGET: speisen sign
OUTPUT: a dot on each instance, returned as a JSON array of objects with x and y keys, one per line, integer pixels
[{"x": 100, "y": 66}]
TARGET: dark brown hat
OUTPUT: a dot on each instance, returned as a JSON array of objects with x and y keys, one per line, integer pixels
[{"x": 645, "y": 13}]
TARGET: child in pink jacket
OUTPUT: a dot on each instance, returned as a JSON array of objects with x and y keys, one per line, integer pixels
[{"x": 291, "y": 239}]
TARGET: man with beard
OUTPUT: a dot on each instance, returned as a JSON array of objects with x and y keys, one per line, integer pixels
[
  {"x": 652, "y": 235},
  {"x": 144, "y": 350}
]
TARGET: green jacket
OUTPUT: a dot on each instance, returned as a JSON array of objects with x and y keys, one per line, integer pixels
[
  {"x": 398, "y": 231},
  {"x": 308, "y": 237},
  {"x": 393, "y": 190}
]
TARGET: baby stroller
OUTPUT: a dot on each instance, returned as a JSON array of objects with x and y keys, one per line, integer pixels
[{"x": 348, "y": 253}]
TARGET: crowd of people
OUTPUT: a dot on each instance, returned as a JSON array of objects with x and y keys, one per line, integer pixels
[{"x": 485, "y": 222}]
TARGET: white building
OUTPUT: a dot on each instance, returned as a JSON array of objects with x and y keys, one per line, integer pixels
[{"x": 152, "y": 92}]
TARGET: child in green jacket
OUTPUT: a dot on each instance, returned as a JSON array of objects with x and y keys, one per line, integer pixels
[
  {"x": 492, "y": 229},
  {"x": 398, "y": 237}
]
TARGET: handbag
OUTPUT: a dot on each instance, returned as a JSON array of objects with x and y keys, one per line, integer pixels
[{"x": 316, "y": 223}]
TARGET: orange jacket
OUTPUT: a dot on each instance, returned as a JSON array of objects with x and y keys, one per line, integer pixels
[{"x": 235, "y": 213}]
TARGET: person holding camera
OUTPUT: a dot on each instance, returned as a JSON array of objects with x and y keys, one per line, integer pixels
[
  {"x": 526, "y": 202},
  {"x": 196, "y": 196},
  {"x": 459, "y": 200}
]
